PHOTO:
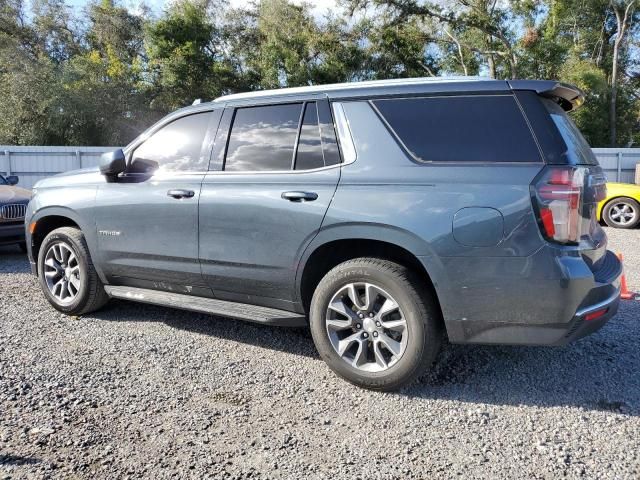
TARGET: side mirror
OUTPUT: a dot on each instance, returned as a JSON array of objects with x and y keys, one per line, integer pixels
[
  {"x": 12, "y": 180},
  {"x": 113, "y": 163}
]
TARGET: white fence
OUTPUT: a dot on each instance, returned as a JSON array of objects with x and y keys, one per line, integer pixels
[
  {"x": 33, "y": 163},
  {"x": 619, "y": 163}
]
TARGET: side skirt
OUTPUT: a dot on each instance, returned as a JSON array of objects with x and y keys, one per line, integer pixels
[{"x": 252, "y": 313}]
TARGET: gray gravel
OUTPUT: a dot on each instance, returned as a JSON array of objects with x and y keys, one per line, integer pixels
[{"x": 139, "y": 391}]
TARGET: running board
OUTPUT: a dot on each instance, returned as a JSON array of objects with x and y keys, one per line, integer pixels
[{"x": 252, "y": 313}]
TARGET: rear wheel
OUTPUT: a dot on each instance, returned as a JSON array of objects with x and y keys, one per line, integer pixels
[
  {"x": 622, "y": 212},
  {"x": 67, "y": 275},
  {"x": 375, "y": 324}
]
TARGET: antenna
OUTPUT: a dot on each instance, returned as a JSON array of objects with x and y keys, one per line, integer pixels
[{"x": 197, "y": 101}]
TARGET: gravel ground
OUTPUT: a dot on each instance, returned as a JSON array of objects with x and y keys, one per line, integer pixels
[{"x": 139, "y": 391}]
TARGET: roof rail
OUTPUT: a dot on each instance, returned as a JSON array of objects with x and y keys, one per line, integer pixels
[{"x": 350, "y": 85}]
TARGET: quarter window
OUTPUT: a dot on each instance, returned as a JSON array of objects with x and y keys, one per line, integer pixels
[
  {"x": 461, "y": 129},
  {"x": 309, "y": 154},
  {"x": 263, "y": 138},
  {"x": 578, "y": 149},
  {"x": 176, "y": 147}
]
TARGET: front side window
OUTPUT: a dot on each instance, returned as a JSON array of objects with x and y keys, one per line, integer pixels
[
  {"x": 176, "y": 147},
  {"x": 263, "y": 138},
  {"x": 483, "y": 128}
]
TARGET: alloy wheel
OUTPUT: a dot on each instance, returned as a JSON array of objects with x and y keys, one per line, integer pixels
[
  {"x": 62, "y": 273},
  {"x": 622, "y": 213},
  {"x": 366, "y": 327}
]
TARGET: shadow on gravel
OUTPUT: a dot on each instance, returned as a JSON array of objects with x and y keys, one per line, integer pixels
[
  {"x": 12, "y": 260},
  {"x": 17, "y": 460},
  {"x": 296, "y": 341},
  {"x": 600, "y": 372}
]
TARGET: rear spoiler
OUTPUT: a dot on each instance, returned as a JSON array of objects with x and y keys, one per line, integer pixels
[{"x": 567, "y": 96}]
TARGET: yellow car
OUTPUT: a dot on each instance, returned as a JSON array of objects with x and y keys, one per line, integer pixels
[{"x": 621, "y": 208}]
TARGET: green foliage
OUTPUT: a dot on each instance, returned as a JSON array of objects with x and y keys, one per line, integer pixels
[
  {"x": 399, "y": 50},
  {"x": 101, "y": 74},
  {"x": 280, "y": 44},
  {"x": 185, "y": 54}
]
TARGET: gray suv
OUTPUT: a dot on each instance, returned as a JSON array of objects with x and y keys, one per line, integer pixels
[{"x": 386, "y": 216}]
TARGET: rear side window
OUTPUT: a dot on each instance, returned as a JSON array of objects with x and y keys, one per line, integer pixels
[
  {"x": 309, "y": 154},
  {"x": 263, "y": 138},
  {"x": 578, "y": 150},
  {"x": 461, "y": 129}
]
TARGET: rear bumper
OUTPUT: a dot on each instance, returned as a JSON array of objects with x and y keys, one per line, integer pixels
[
  {"x": 11, "y": 233},
  {"x": 583, "y": 326},
  {"x": 553, "y": 301}
]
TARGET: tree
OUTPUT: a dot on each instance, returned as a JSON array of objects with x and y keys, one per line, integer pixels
[
  {"x": 102, "y": 74},
  {"x": 30, "y": 56},
  {"x": 105, "y": 101},
  {"x": 279, "y": 44},
  {"x": 623, "y": 11},
  {"x": 186, "y": 56},
  {"x": 469, "y": 32}
]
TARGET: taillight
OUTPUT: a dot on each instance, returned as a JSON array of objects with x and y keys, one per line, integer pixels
[{"x": 558, "y": 195}]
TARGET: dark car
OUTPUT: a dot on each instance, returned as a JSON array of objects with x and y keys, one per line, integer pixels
[
  {"x": 13, "y": 205},
  {"x": 385, "y": 215}
]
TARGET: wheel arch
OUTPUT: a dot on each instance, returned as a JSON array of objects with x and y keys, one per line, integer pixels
[
  {"x": 339, "y": 245},
  {"x": 48, "y": 219}
]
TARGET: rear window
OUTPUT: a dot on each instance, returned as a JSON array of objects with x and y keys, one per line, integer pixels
[
  {"x": 578, "y": 150},
  {"x": 461, "y": 129},
  {"x": 263, "y": 138}
]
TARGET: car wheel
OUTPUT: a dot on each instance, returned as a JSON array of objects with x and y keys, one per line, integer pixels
[
  {"x": 622, "y": 212},
  {"x": 375, "y": 323},
  {"x": 67, "y": 275}
]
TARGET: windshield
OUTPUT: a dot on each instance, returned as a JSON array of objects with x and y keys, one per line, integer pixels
[
  {"x": 578, "y": 149},
  {"x": 3, "y": 181}
]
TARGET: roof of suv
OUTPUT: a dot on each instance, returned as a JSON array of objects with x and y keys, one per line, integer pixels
[
  {"x": 383, "y": 86},
  {"x": 571, "y": 96}
]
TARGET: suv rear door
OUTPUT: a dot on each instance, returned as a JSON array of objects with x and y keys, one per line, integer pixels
[{"x": 273, "y": 173}]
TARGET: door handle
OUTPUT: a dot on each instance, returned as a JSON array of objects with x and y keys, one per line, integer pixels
[
  {"x": 181, "y": 193},
  {"x": 300, "y": 196}
]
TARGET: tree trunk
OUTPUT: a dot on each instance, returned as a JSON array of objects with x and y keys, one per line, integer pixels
[
  {"x": 491, "y": 59},
  {"x": 622, "y": 13},
  {"x": 614, "y": 95}
]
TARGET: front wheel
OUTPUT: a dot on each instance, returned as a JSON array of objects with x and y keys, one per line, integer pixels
[
  {"x": 375, "y": 323},
  {"x": 67, "y": 275},
  {"x": 622, "y": 212}
]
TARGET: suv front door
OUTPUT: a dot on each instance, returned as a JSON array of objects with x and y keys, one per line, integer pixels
[
  {"x": 274, "y": 170},
  {"x": 147, "y": 220}
]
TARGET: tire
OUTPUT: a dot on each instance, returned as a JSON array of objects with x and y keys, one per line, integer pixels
[
  {"x": 23, "y": 247},
  {"x": 89, "y": 289},
  {"x": 417, "y": 309},
  {"x": 621, "y": 212}
]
